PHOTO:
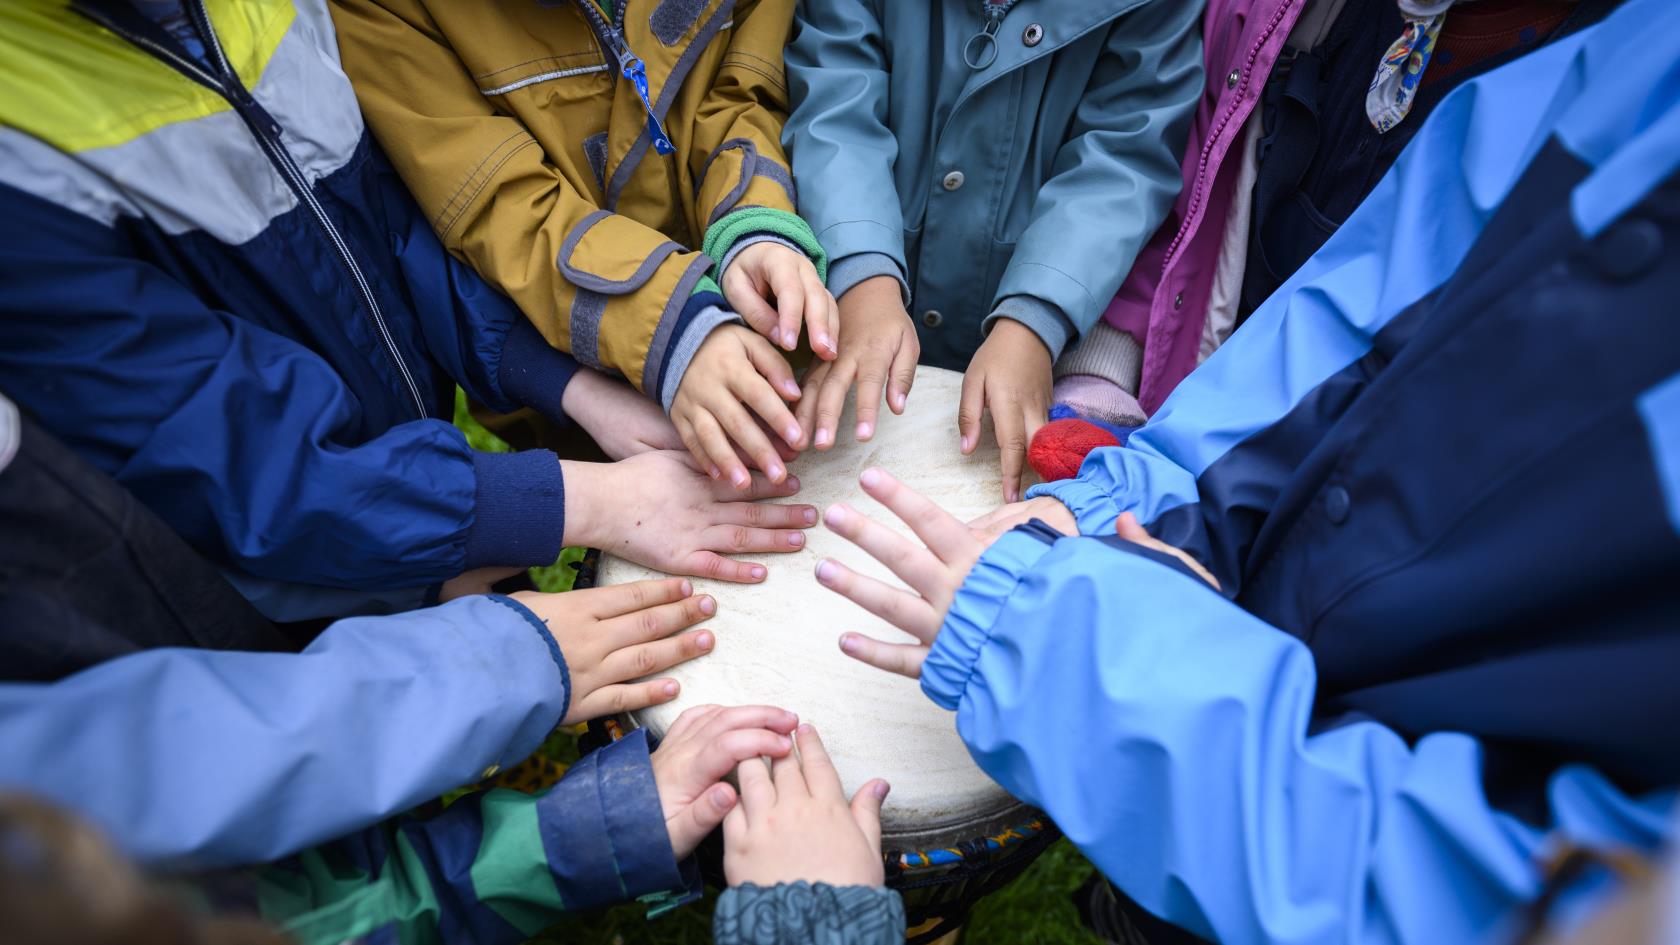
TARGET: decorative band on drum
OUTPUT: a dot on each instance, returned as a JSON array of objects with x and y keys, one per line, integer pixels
[{"x": 979, "y": 848}]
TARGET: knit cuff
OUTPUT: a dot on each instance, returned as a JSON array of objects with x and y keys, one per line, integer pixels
[
  {"x": 1045, "y": 320},
  {"x": 1108, "y": 353},
  {"x": 519, "y": 510},
  {"x": 845, "y": 273},
  {"x": 534, "y": 374},
  {"x": 722, "y": 236}
]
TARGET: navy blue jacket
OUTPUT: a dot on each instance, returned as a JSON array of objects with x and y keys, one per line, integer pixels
[{"x": 215, "y": 288}]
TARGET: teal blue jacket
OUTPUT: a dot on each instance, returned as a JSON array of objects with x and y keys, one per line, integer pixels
[{"x": 1023, "y": 188}]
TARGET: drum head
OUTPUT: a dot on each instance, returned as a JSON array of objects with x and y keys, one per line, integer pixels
[{"x": 777, "y": 642}]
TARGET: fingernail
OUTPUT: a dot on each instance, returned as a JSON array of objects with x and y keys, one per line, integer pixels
[
  {"x": 848, "y": 643},
  {"x": 805, "y": 728},
  {"x": 786, "y": 743},
  {"x": 708, "y": 606},
  {"x": 795, "y": 539},
  {"x": 791, "y": 387},
  {"x": 898, "y": 401},
  {"x": 967, "y": 444},
  {"x": 870, "y": 477},
  {"x": 881, "y": 789},
  {"x": 825, "y": 573},
  {"x": 670, "y": 688},
  {"x": 793, "y": 482},
  {"x": 825, "y": 342},
  {"x": 704, "y": 641},
  {"x": 757, "y": 573},
  {"x": 775, "y": 336},
  {"x": 810, "y": 516},
  {"x": 740, "y": 478},
  {"x": 687, "y": 587},
  {"x": 865, "y": 431},
  {"x": 721, "y": 799},
  {"x": 835, "y": 515},
  {"x": 821, "y": 438},
  {"x": 791, "y": 434},
  {"x": 776, "y": 472},
  {"x": 714, "y": 472}
]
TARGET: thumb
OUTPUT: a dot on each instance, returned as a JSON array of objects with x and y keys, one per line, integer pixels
[
  {"x": 866, "y": 810},
  {"x": 695, "y": 821},
  {"x": 1127, "y": 527}
]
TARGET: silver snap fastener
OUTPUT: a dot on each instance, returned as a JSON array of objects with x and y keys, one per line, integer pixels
[
  {"x": 1232, "y": 79},
  {"x": 1032, "y": 35},
  {"x": 932, "y": 318},
  {"x": 1178, "y": 300},
  {"x": 953, "y": 180}
]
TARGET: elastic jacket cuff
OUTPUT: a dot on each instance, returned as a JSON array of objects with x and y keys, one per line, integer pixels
[
  {"x": 519, "y": 510},
  {"x": 708, "y": 312},
  {"x": 844, "y": 274},
  {"x": 1093, "y": 509},
  {"x": 1045, "y": 320},
  {"x": 974, "y": 610},
  {"x": 533, "y": 373},
  {"x": 603, "y": 829},
  {"x": 738, "y": 224},
  {"x": 808, "y": 912}
]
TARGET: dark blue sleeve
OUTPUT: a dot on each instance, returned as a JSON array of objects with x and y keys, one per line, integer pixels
[{"x": 244, "y": 441}]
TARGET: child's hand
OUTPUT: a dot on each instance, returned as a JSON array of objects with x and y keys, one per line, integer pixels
[
  {"x": 933, "y": 569},
  {"x": 1046, "y": 509},
  {"x": 734, "y": 370},
  {"x": 793, "y": 823},
  {"x": 612, "y": 635},
  {"x": 766, "y": 271},
  {"x": 880, "y": 351},
  {"x": 621, "y": 421},
  {"x": 704, "y": 744},
  {"x": 1010, "y": 376},
  {"x": 657, "y": 510}
]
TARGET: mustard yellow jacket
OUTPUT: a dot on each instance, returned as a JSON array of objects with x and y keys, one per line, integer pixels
[{"x": 540, "y": 159}]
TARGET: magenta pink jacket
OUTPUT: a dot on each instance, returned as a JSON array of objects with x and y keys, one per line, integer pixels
[{"x": 1165, "y": 299}]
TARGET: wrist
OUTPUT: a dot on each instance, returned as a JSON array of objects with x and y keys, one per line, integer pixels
[
  {"x": 585, "y": 508},
  {"x": 875, "y": 290}
]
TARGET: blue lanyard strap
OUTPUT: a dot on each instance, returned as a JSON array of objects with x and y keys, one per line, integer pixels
[{"x": 636, "y": 72}]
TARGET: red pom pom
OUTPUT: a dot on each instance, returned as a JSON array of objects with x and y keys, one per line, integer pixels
[{"x": 1060, "y": 446}]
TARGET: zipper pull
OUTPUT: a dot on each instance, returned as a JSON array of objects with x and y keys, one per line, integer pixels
[
  {"x": 635, "y": 70},
  {"x": 981, "y": 50}
]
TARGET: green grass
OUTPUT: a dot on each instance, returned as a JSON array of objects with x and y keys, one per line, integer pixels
[{"x": 1034, "y": 908}]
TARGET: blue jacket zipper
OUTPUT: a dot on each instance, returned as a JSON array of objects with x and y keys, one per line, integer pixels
[
  {"x": 225, "y": 82},
  {"x": 611, "y": 36}
]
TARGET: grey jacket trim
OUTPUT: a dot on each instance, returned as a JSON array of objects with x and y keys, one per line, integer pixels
[
  {"x": 652, "y": 384},
  {"x": 1046, "y": 320},
  {"x": 1105, "y": 352},
  {"x": 589, "y": 280},
  {"x": 688, "y": 345},
  {"x": 819, "y": 914},
  {"x": 844, "y": 274},
  {"x": 749, "y": 162}
]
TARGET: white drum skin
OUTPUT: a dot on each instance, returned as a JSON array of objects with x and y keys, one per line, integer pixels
[{"x": 777, "y": 642}]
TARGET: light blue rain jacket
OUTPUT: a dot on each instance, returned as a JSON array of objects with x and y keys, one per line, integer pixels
[{"x": 1024, "y": 187}]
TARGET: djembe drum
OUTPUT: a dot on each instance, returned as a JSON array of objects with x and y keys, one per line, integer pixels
[{"x": 949, "y": 833}]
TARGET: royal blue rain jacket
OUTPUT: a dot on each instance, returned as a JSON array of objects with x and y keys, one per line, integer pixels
[{"x": 1437, "y": 476}]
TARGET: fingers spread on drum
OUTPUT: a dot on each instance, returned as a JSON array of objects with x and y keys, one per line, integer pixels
[
  {"x": 905, "y": 659},
  {"x": 634, "y": 662},
  {"x": 621, "y": 599},
  {"x": 760, "y": 488},
  {"x": 914, "y": 564},
  {"x": 660, "y": 621},
  {"x": 739, "y": 539},
  {"x": 902, "y": 609},
  {"x": 763, "y": 515},
  {"x": 623, "y": 697},
  {"x": 944, "y": 534}
]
